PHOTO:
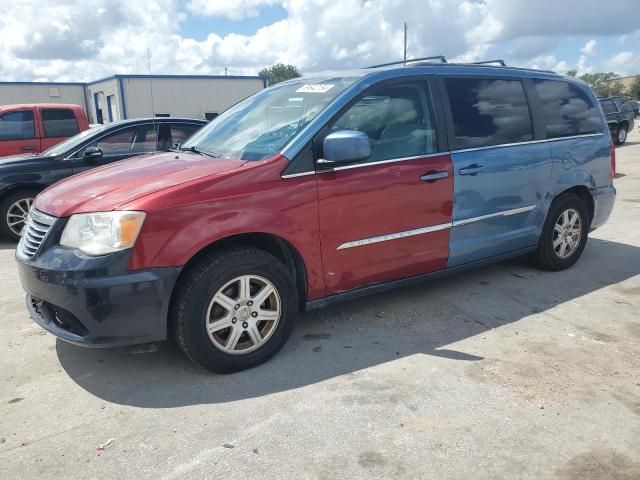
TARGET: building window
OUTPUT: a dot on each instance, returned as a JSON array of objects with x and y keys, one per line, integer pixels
[
  {"x": 163, "y": 115},
  {"x": 210, "y": 115}
]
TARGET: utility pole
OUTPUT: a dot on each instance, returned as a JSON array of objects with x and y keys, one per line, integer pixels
[{"x": 405, "y": 41}]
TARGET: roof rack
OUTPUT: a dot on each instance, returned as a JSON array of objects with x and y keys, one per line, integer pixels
[
  {"x": 411, "y": 60},
  {"x": 499, "y": 61}
]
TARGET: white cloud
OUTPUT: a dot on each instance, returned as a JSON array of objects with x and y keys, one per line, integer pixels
[
  {"x": 589, "y": 47},
  {"x": 233, "y": 9},
  {"x": 82, "y": 40},
  {"x": 624, "y": 63}
]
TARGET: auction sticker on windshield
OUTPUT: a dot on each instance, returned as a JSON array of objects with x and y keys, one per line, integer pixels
[{"x": 315, "y": 88}]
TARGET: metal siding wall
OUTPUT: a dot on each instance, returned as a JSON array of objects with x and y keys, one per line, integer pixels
[
  {"x": 186, "y": 97},
  {"x": 11, "y": 93},
  {"x": 107, "y": 87}
]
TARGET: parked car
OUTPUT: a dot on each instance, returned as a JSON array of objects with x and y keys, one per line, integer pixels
[
  {"x": 36, "y": 127},
  {"x": 22, "y": 177},
  {"x": 620, "y": 117},
  {"x": 316, "y": 190}
]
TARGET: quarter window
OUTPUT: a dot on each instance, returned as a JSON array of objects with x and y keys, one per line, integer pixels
[
  {"x": 568, "y": 110},
  {"x": 17, "y": 125},
  {"x": 488, "y": 112},
  {"x": 59, "y": 122},
  {"x": 396, "y": 119}
]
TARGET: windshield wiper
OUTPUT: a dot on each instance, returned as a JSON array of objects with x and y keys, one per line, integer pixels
[{"x": 194, "y": 149}]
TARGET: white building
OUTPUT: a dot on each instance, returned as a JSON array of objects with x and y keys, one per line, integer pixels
[{"x": 134, "y": 96}]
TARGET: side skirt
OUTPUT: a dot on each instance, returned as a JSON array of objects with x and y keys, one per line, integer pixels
[{"x": 383, "y": 287}]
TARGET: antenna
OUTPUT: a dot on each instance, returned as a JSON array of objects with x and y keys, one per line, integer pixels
[
  {"x": 405, "y": 41},
  {"x": 153, "y": 108}
]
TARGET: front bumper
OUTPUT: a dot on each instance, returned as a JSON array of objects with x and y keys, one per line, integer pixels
[
  {"x": 95, "y": 301},
  {"x": 603, "y": 200}
]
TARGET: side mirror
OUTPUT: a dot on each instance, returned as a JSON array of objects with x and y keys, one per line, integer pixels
[
  {"x": 345, "y": 146},
  {"x": 93, "y": 153}
]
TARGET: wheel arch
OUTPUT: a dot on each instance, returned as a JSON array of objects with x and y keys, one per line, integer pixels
[
  {"x": 584, "y": 193},
  {"x": 268, "y": 242}
]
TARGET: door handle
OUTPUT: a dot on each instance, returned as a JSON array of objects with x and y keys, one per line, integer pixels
[
  {"x": 28, "y": 148},
  {"x": 472, "y": 169},
  {"x": 432, "y": 175}
]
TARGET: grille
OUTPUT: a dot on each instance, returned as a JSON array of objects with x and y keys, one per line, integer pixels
[{"x": 33, "y": 234}]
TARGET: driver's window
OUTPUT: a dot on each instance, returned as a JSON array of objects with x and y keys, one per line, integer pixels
[
  {"x": 116, "y": 143},
  {"x": 396, "y": 119}
]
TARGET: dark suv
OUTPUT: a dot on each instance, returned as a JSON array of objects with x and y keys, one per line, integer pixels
[{"x": 620, "y": 117}]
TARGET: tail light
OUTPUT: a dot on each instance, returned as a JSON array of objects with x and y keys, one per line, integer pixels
[{"x": 612, "y": 153}]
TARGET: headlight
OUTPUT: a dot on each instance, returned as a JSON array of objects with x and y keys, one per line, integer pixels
[{"x": 103, "y": 232}]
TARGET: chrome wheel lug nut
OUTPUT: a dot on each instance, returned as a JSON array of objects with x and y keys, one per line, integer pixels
[
  {"x": 237, "y": 306},
  {"x": 245, "y": 325},
  {"x": 249, "y": 303},
  {"x": 234, "y": 320},
  {"x": 254, "y": 314}
]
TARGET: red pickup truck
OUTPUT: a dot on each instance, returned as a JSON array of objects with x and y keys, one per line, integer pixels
[{"x": 37, "y": 127}]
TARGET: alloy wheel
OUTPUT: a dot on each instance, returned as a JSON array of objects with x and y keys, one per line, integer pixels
[
  {"x": 243, "y": 314},
  {"x": 567, "y": 233},
  {"x": 17, "y": 215},
  {"x": 622, "y": 135}
]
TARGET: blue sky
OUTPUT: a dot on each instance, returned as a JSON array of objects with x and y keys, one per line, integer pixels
[{"x": 76, "y": 40}]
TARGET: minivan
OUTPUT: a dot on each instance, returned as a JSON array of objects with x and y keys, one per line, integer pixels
[{"x": 315, "y": 190}]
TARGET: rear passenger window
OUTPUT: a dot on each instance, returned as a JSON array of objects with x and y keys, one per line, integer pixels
[
  {"x": 59, "y": 122},
  {"x": 488, "y": 112},
  {"x": 568, "y": 110},
  {"x": 396, "y": 119},
  {"x": 609, "y": 107},
  {"x": 17, "y": 125}
]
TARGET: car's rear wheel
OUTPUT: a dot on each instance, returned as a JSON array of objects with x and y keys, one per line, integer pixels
[
  {"x": 234, "y": 310},
  {"x": 564, "y": 235},
  {"x": 14, "y": 210},
  {"x": 621, "y": 135}
]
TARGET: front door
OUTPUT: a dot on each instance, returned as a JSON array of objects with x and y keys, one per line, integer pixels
[
  {"x": 388, "y": 217},
  {"x": 501, "y": 173}
]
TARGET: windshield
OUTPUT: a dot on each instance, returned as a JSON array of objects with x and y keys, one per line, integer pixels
[
  {"x": 70, "y": 143},
  {"x": 263, "y": 124}
]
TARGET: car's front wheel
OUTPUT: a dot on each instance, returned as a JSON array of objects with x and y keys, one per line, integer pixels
[
  {"x": 564, "y": 235},
  {"x": 234, "y": 309},
  {"x": 14, "y": 210}
]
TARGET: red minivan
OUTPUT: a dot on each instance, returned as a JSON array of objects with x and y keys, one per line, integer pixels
[
  {"x": 33, "y": 128},
  {"x": 316, "y": 190}
]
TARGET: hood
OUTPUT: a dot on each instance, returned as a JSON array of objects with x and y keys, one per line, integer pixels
[{"x": 106, "y": 188}]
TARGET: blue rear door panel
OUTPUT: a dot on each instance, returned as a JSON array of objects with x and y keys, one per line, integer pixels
[{"x": 498, "y": 209}]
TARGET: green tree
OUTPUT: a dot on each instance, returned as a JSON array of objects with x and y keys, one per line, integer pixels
[
  {"x": 601, "y": 82},
  {"x": 572, "y": 73},
  {"x": 634, "y": 90},
  {"x": 279, "y": 73}
]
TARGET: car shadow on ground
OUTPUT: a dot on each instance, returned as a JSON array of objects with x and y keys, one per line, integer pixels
[
  {"x": 424, "y": 319},
  {"x": 5, "y": 245}
]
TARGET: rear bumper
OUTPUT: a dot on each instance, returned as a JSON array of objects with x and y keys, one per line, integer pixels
[
  {"x": 603, "y": 201},
  {"x": 95, "y": 302}
]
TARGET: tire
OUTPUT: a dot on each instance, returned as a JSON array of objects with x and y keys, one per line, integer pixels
[
  {"x": 13, "y": 205},
  {"x": 621, "y": 135},
  {"x": 195, "y": 309},
  {"x": 550, "y": 254}
]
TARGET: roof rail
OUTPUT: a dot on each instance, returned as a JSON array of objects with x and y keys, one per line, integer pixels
[
  {"x": 410, "y": 60},
  {"x": 499, "y": 61}
]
